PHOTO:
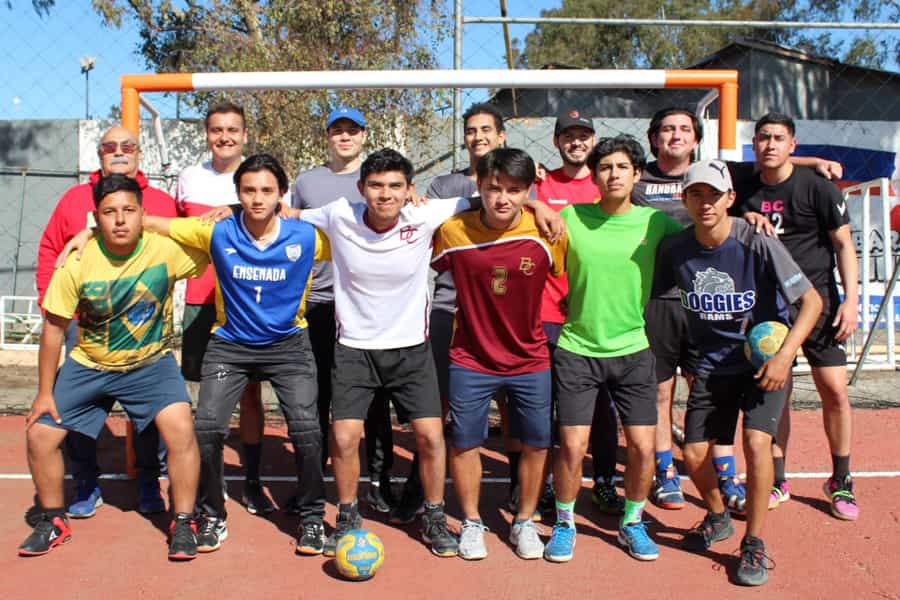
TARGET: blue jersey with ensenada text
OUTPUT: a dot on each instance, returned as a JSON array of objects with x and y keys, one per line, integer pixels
[
  {"x": 726, "y": 290},
  {"x": 261, "y": 287}
]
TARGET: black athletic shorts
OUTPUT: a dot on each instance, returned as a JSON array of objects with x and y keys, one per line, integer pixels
[
  {"x": 578, "y": 382},
  {"x": 440, "y": 332},
  {"x": 820, "y": 348},
  {"x": 407, "y": 374},
  {"x": 198, "y": 322},
  {"x": 667, "y": 331},
  {"x": 714, "y": 403}
]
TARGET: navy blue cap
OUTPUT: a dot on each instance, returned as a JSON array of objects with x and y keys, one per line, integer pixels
[{"x": 345, "y": 112}]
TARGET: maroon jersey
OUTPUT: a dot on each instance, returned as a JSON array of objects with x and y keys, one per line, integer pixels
[{"x": 499, "y": 278}]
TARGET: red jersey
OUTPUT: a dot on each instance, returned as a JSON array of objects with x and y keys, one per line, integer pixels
[
  {"x": 75, "y": 212},
  {"x": 557, "y": 190},
  {"x": 499, "y": 276}
]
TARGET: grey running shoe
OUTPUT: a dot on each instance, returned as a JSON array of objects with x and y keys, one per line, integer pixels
[
  {"x": 712, "y": 529},
  {"x": 211, "y": 532},
  {"x": 471, "y": 540},
  {"x": 755, "y": 564},
  {"x": 524, "y": 536}
]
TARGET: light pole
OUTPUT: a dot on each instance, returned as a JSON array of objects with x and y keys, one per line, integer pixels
[{"x": 87, "y": 63}]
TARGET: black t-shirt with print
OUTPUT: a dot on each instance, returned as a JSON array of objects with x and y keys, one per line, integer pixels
[{"x": 804, "y": 209}]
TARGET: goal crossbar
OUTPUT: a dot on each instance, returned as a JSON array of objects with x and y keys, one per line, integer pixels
[{"x": 724, "y": 81}]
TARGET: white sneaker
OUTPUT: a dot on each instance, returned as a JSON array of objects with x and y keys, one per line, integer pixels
[
  {"x": 471, "y": 540},
  {"x": 524, "y": 536}
]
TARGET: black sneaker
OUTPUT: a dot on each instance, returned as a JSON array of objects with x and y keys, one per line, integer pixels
[
  {"x": 311, "y": 538},
  {"x": 755, "y": 563},
  {"x": 409, "y": 507},
  {"x": 49, "y": 532},
  {"x": 291, "y": 506},
  {"x": 512, "y": 505},
  {"x": 255, "y": 500},
  {"x": 547, "y": 501},
  {"x": 211, "y": 532},
  {"x": 435, "y": 532},
  {"x": 607, "y": 498},
  {"x": 512, "y": 502},
  {"x": 183, "y": 538},
  {"x": 708, "y": 531},
  {"x": 346, "y": 520},
  {"x": 380, "y": 498}
]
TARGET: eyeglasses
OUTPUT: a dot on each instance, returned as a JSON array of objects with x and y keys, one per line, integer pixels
[{"x": 110, "y": 147}]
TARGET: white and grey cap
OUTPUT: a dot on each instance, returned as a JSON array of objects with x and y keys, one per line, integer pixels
[{"x": 711, "y": 172}]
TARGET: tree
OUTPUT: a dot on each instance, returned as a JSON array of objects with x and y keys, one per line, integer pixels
[
  {"x": 633, "y": 46},
  {"x": 295, "y": 35}
]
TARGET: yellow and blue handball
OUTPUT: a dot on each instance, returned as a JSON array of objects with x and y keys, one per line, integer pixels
[
  {"x": 764, "y": 341},
  {"x": 359, "y": 554}
]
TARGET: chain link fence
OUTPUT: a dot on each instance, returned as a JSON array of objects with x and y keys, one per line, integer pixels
[{"x": 845, "y": 112}]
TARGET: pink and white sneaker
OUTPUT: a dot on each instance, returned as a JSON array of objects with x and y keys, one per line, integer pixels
[
  {"x": 843, "y": 502},
  {"x": 780, "y": 494}
]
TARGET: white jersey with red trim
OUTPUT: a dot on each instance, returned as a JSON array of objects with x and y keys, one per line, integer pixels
[
  {"x": 200, "y": 188},
  {"x": 381, "y": 278}
]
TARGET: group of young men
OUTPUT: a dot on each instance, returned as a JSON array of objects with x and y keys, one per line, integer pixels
[{"x": 566, "y": 320}]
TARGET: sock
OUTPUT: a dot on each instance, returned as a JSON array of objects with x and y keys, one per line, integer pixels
[
  {"x": 633, "y": 512},
  {"x": 840, "y": 466},
  {"x": 778, "y": 463},
  {"x": 252, "y": 458},
  {"x": 55, "y": 512},
  {"x": 429, "y": 507},
  {"x": 663, "y": 461},
  {"x": 724, "y": 466},
  {"x": 565, "y": 513},
  {"x": 514, "y": 458}
]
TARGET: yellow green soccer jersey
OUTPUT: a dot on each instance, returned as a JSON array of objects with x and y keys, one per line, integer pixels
[{"x": 123, "y": 303}]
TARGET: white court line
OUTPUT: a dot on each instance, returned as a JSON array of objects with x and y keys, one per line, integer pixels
[{"x": 292, "y": 478}]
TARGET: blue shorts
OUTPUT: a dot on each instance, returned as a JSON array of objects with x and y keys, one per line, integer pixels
[
  {"x": 84, "y": 396},
  {"x": 471, "y": 392}
]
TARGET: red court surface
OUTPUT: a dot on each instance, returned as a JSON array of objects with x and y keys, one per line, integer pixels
[{"x": 120, "y": 554}]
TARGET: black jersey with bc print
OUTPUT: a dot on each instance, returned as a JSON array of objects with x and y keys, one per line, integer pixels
[
  {"x": 748, "y": 279},
  {"x": 804, "y": 208}
]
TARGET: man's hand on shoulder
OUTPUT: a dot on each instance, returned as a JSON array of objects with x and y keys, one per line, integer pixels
[
  {"x": 761, "y": 223},
  {"x": 830, "y": 169},
  {"x": 548, "y": 221},
  {"x": 415, "y": 199},
  {"x": 215, "y": 215},
  {"x": 76, "y": 245}
]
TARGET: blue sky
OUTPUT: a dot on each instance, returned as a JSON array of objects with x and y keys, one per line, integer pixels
[{"x": 39, "y": 56}]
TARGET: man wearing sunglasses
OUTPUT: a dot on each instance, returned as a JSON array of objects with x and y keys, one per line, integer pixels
[{"x": 119, "y": 153}]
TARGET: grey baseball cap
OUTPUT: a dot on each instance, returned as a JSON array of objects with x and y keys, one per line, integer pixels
[{"x": 711, "y": 172}]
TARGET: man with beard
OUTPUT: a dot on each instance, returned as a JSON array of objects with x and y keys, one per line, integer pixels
[{"x": 572, "y": 183}]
